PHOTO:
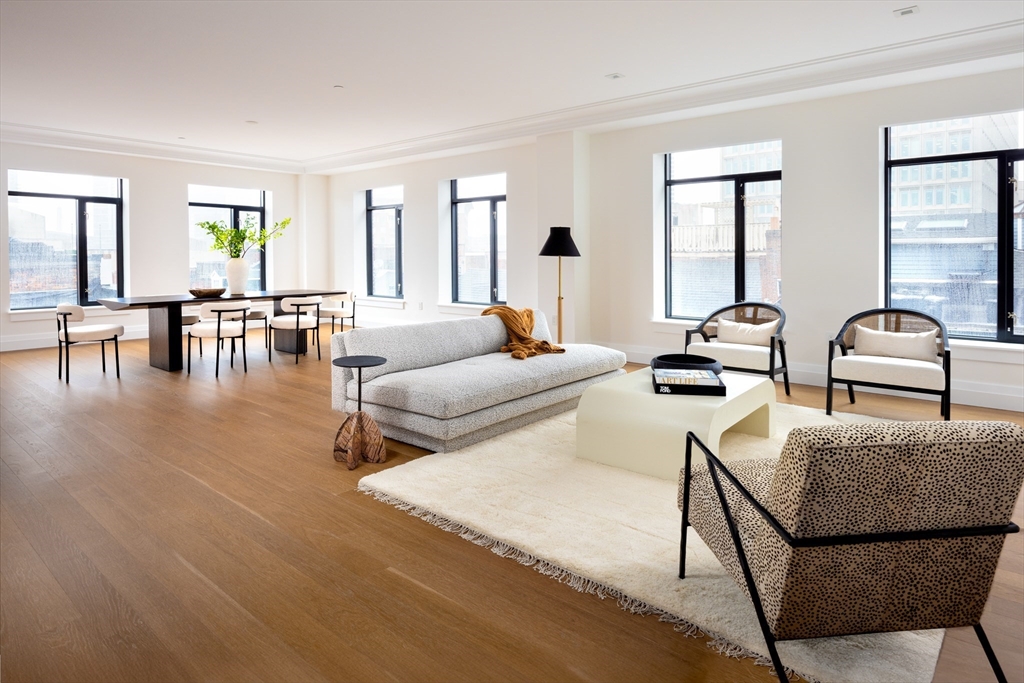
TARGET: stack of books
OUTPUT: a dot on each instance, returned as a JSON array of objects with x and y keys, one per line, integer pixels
[{"x": 693, "y": 382}]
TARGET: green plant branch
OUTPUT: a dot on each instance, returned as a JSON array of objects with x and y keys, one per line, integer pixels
[{"x": 236, "y": 243}]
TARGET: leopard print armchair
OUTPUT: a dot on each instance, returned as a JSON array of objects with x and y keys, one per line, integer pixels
[{"x": 862, "y": 528}]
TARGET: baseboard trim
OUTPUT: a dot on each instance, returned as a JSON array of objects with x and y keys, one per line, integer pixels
[{"x": 981, "y": 394}]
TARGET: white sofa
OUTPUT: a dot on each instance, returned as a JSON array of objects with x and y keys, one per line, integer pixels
[{"x": 447, "y": 385}]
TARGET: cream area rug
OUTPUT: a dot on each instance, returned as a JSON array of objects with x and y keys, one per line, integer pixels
[{"x": 615, "y": 533}]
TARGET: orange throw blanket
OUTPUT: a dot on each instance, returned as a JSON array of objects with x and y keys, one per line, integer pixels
[{"x": 520, "y": 326}]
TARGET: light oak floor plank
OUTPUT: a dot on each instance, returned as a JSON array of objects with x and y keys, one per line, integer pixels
[{"x": 180, "y": 527}]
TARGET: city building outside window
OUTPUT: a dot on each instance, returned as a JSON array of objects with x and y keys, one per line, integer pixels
[
  {"x": 66, "y": 241},
  {"x": 478, "y": 240},
  {"x": 958, "y": 255},
  {"x": 238, "y": 208},
  {"x": 384, "y": 242},
  {"x": 718, "y": 250}
]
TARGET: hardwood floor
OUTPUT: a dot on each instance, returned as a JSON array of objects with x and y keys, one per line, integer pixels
[{"x": 169, "y": 527}]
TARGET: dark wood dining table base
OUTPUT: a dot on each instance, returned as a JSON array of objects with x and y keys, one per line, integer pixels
[{"x": 166, "y": 342}]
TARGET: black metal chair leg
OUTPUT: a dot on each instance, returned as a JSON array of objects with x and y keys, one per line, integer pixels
[
  {"x": 117, "y": 359},
  {"x": 785, "y": 365},
  {"x": 245, "y": 364},
  {"x": 990, "y": 653},
  {"x": 200, "y": 347},
  {"x": 318, "y": 342},
  {"x": 60, "y": 359},
  {"x": 67, "y": 363},
  {"x": 103, "y": 354},
  {"x": 270, "y": 350},
  {"x": 232, "y": 352},
  {"x": 216, "y": 346},
  {"x": 828, "y": 395},
  {"x": 190, "y": 352},
  {"x": 849, "y": 388}
]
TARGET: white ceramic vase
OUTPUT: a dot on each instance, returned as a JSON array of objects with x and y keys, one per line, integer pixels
[{"x": 238, "y": 275}]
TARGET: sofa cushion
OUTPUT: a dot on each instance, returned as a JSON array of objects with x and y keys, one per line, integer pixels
[
  {"x": 457, "y": 388},
  {"x": 746, "y": 356},
  {"x": 408, "y": 347},
  {"x": 885, "y": 370}
]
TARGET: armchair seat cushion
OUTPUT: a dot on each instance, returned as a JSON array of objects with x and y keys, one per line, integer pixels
[
  {"x": 84, "y": 333},
  {"x": 749, "y": 356},
  {"x": 887, "y": 370},
  {"x": 329, "y": 312}
]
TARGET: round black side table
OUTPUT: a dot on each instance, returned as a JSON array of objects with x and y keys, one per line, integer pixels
[{"x": 358, "y": 363}]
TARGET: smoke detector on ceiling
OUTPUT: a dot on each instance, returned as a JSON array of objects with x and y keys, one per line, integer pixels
[
  {"x": 615, "y": 76},
  {"x": 913, "y": 9}
]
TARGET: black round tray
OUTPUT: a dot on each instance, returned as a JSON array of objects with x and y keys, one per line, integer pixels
[{"x": 686, "y": 361}]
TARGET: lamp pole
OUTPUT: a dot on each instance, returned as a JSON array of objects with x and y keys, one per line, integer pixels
[{"x": 559, "y": 299}]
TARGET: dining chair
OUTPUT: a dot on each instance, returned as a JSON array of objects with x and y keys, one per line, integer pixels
[
  {"x": 67, "y": 335},
  {"x": 300, "y": 313},
  {"x": 259, "y": 314},
  {"x": 338, "y": 309},
  {"x": 229, "y": 324}
]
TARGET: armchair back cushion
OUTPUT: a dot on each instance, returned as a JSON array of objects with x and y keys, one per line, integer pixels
[
  {"x": 745, "y": 333},
  {"x": 912, "y": 345},
  {"x": 838, "y": 480},
  {"x": 752, "y": 314},
  {"x": 892, "y": 321}
]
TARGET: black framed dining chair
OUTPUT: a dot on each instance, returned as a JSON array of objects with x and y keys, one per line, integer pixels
[
  {"x": 68, "y": 335},
  {"x": 221, "y": 320},
  {"x": 300, "y": 314}
]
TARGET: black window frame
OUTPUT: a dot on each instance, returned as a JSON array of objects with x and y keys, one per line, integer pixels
[
  {"x": 1004, "y": 159},
  {"x": 494, "y": 200},
  {"x": 370, "y": 208},
  {"x": 82, "y": 239},
  {"x": 740, "y": 181},
  {"x": 236, "y": 211}
]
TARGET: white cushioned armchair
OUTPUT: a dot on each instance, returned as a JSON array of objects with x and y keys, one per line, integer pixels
[
  {"x": 893, "y": 348},
  {"x": 746, "y": 337}
]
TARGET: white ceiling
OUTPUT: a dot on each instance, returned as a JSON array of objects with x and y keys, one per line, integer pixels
[{"x": 428, "y": 75}]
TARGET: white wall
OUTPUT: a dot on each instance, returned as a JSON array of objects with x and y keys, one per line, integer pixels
[
  {"x": 832, "y": 262},
  {"x": 426, "y": 236},
  {"x": 156, "y": 230}
]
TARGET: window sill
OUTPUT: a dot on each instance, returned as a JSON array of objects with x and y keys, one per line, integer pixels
[
  {"x": 986, "y": 351},
  {"x": 669, "y": 326},
  {"x": 461, "y": 309},
  {"x": 51, "y": 313},
  {"x": 374, "y": 302}
]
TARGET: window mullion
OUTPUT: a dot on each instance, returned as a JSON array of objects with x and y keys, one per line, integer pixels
[
  {"x": 83, "y": 253},
  {"x": 494, "y": 251},
  {"x": 739, "y": 192},
  {"x": 398, "y": 254}
]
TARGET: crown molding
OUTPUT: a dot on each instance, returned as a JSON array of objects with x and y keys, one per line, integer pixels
[
  {"x": 110, "y": 144},
  {"x": 985, "y": 43},
  {"x": 803, "y": 80}
]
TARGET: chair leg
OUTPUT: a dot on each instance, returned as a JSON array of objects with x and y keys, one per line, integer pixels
[
  {"x": 103, "y": 354},
  {"x": 200, "y": 347},
  {"x": 67, "y": 363},
  {"x": 217, "y": 345},
  {"x": 332, "y": 326},
  {"x": 270, "y": 351},
  {"x": 785, "y": 365},
  {"x": 990, "y": 653},
  {"x": 117, "y": 359},
  {"x": 245, "y": 364},
  {"x": 849, "y": 388},
  {"x": 266, "y": 333},
  {"x": 318, "y": 342},
  {"x": 60, "y": 359},
  {"x": 828, "y": 394},
  {"x": 232, "y": 352},
  {"x": 190, "y": 351}
]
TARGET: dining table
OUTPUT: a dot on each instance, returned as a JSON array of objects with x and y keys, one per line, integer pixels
[{"x": 165, "y": 338}]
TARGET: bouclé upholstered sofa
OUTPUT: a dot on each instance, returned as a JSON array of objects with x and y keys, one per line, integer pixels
[{"x": 447, "y": 384}]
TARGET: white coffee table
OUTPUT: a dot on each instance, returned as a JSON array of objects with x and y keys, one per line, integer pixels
[{"x": 623, "y": 423}]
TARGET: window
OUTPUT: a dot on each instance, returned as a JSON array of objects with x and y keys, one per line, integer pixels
[
  {"x": 478, "y": 240},
  {"x": 957, "y": 253},
  {"x": 719, "y": 250},
  {"x": 384, "y": 241},
  {"x": 235, "y": 207},
  {"x": 66, "y": 238}
]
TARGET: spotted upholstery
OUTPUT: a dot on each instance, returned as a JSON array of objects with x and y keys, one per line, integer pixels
[{"x": 869, "y": 478}]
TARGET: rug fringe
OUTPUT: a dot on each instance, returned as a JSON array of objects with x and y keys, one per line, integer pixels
[{"x": 575, "y": 581}]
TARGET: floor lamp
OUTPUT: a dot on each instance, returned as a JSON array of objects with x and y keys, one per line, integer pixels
[{"x": 560, "y": 244}]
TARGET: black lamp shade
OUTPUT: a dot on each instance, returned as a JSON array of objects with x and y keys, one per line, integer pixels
[{"x": 559, "y": 244}]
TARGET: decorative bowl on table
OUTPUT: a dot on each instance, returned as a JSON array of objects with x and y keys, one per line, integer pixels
[
  {"x": 207, "y": 293},
  {"x": 686, "y": 361}
]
